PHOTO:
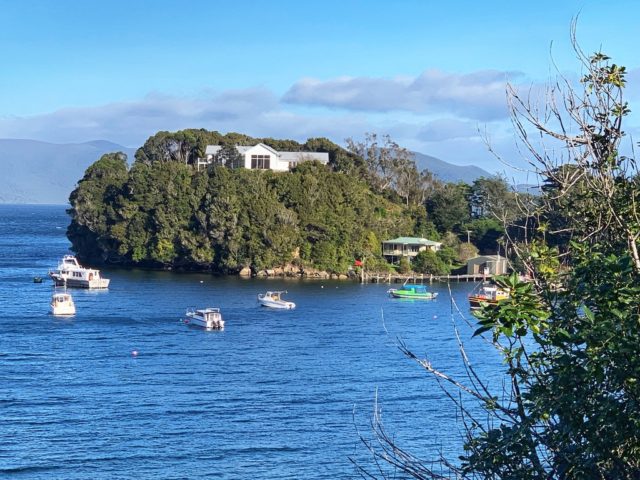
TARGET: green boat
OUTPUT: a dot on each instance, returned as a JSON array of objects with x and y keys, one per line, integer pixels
[{"x": 412, "y": 291}]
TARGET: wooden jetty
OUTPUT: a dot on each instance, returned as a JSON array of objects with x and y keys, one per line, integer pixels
[{"x": 420, "y": 279}]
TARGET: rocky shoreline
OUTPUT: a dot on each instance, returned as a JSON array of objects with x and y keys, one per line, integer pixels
[{"x": 292, "y": 271}]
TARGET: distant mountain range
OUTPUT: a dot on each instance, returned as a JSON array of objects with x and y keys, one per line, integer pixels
[
  {"x": 447, "y": 171},
  {"x": 41, "y": 172}
]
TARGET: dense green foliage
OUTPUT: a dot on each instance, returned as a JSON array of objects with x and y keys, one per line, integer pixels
[
  {"x": 571, "y": 339},
  {"x": 186, "y": 146},
  {"x": 165, "y": 214},
  {"x": 431, "y": 262},
  {"x": 569, "y": 403}
]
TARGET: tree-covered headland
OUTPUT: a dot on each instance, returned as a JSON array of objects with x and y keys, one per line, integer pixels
[{"x": 162, "y": 212}]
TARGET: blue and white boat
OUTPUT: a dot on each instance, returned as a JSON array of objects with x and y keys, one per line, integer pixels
[{"x": 412, "y": 291}]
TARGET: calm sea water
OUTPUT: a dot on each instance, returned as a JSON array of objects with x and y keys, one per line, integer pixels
[{"x": 277, "y": 394}]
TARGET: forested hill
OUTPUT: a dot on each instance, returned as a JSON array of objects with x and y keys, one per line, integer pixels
[
  {"x": 163, "y": 212},
  {"x": 166, "y": 214}
]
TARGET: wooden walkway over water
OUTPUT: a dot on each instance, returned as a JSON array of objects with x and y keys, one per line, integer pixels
[{"x": 420, "y": 279}]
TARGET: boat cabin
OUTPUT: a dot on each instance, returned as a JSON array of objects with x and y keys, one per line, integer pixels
[
  {"x": 61, "y": 298},
  {"x": 70, "y": 261},
  {"x": 210, "y": 314},
  {"x": 420, "y": 289}
]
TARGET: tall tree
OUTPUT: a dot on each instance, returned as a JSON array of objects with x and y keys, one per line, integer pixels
[
  {"x": 570, "y": 338},
  {"x": 492, "y": 198},
  {"x": 447, "y": 206},
  {"x": 384, "y": 159}
]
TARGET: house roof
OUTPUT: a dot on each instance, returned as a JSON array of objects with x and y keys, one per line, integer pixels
[
  {"x": 495, "y": 258},
  {"x": 413, "y": 241},
  {"x": 322, "y": 157},
  {"x": 244, "y": 148},
  {"x": 212, "y": 149}
]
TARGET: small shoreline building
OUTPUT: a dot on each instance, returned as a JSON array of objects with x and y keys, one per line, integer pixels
[
  {"x": 394, "y": 250},
  {"x": 487, "y": 265},
  {"x": 263, "y": 157}
]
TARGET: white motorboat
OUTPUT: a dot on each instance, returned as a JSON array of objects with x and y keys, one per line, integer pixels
[
  {"x": 62, "y": 304},
  {"x": 275, "y": 300},
  {"x": 209, "y": 318},
  {"x": 71, "y": 274}
]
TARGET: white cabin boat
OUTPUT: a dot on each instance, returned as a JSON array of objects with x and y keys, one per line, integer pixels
[
  {"x": 209, "y": 318},
  {"x": 275, "y": 300},
  {"x": 71, "y": 274},
  {"x": 62, "y": 304}
]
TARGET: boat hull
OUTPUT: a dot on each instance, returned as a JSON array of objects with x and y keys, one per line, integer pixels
[
  {"x": 63, "y": 311},
  {"x": 273, "y": 299},
  {"x": 476, "y": 302},
  {"x": 209, "y": 319},
  {"x": 418, "y": 296},
  {"x": 277, "y": 304},
  {"x": 211, "y": 325},
  {"x": 95, "y": 284}
]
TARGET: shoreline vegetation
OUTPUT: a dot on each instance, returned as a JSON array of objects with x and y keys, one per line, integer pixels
[{"x": 164, "y": 212}]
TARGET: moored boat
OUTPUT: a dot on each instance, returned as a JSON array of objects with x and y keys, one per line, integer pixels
[
  {"x": 209, "y": 318},
  {"x": 274, "y": 300},
  {"x": 488, "y": 294},
  {"x": 71, "y": 274},
  {"x": 62, "y": 304},
  {"x": 412, "y": 291}
]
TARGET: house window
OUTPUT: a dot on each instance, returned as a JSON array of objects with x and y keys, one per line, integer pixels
[
  {"x": 237, "y": 161},
  {"x": 261, "y": 162}
]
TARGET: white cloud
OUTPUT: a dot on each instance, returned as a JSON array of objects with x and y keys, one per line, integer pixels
[
  {"x": 478, "y": 96},
  {"x": 130, "y": 123},
  {"x": 633, "y": 86},
  {"x": 257, "y": 112},
  {"x": 448, "y": 128}
]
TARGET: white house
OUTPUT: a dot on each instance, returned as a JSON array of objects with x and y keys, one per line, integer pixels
[{"x": 263, "y": 157}]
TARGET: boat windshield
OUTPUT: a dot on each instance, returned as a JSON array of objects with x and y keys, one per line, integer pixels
[{"x": 416, "y": 288}]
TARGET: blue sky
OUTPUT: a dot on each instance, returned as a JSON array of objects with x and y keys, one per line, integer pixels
[{"x": 428, "y": 73}]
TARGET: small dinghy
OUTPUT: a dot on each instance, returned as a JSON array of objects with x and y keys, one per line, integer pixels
[{"x": 275, "y": 300}]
